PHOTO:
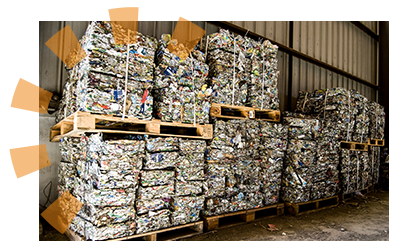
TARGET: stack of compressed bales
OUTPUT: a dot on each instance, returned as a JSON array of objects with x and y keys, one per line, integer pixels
[
  {"x": 157, "y": 184},
  {"x": 171, "y": 184},
  {"x": 262, "y": 92},
  {"x": 272, "y": 153},
  {"x": 181, "y": 93},
  {"x": 361, "y": 107},
  {"x": 98, "y": 83},
  {"x": 106, "y": 184},
  {"x": 233, "y": 173},
  {"x": 245, "y": 161},
  {"x": 377, "y": 121},
  {"x": 333, "y": 106},
  {"x": 300, "y": 174},
  {"x": 189, "y": 199},
  {"x": 243, "y": 71},
  {"x": 327, "y": 163},
  {"x": 229, "y": 68}
]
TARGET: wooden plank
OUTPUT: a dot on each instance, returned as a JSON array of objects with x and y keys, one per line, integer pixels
[
  {"x": 153, "y": 127},
  {"x": 182, "y": 233},
  {"x": 84, "y": 122},
  {"x": 66, "y": 127},
  {"x": 151, "y": 237}
]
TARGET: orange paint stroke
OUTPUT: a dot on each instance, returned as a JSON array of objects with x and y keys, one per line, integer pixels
[
  {"x": 67, "y": 47},
  {"x": 124, "y": 22},
  {"x": 61, "y": 212},
  {"x": 30, "y": 97},
  {"x": 185, "y": 37},
  {"x": 27, "y": 160}
]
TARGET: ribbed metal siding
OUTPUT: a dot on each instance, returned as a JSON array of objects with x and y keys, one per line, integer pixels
[
  {"x": 340, "y": 44},
  {"x": 277, "y": 31},
  {"x": 52, "y": 73},
  {"x": 372, "y": 25}
]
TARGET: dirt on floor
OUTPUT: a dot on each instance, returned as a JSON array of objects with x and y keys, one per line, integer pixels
[{"x": 363, "y": 218}]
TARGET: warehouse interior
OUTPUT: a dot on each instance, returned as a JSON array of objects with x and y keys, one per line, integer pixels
[{"x": 311, "y": 55}]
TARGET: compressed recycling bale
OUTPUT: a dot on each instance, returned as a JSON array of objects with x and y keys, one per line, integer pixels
[
  {"x": 162, "y": 144},
  {"x": 186, "y": 209},
  {"x": 144, "y": 206},
  {"x": 153, "y": 221},
  {"x": 155, "y": 192}
]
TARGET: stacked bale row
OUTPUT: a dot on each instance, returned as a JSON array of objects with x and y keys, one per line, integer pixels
[
  {"x": 244, "y": 165},
  {"x": 132, "y": 186},
  {"x": 243, "y": 71}
]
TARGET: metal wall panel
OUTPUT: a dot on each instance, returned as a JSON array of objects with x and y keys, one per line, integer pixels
[
  {"x": 372, "y": 25},
  {"x": 276, "y": 31},
  {"x": 340, "y": 44},
  {"x": 49, "y": 73},
  {"x": 283, "y": 62}
]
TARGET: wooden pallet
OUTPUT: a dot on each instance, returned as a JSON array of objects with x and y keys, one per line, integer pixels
[
  {"x": 355, "y": 146},
  {"x": 267, "y": 115},
  {"x": 376, "y": 142},
  {"x": 348, "y": 196},
  {"x": 231, "y": 112},
  {"x": 311, "y": 206},
  {"x": 166, "y": 234},
  {"x": 241, "y": 112},
  {"x": 242, "y": 217},
  {"x": 85, "y": 122}
]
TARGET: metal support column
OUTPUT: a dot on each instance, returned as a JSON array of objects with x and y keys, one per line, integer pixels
[{"x": 383, "y": 92}]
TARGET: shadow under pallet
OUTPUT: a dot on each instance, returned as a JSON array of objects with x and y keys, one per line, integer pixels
[
  {"x": 311, "y": 206},
  {"x": 242, "y": 217}
]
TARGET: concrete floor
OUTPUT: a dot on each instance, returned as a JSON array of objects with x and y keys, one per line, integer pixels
[{"x": 360, "y": 219}]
